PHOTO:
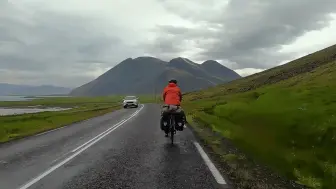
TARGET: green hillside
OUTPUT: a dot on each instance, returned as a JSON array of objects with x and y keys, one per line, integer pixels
[{"x": 284, "y": 117}]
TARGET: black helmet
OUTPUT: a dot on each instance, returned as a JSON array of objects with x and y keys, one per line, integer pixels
[{"x": 173, "y": 81}]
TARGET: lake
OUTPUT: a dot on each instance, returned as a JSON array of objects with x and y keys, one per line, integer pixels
[
  {"x": 14, "y": 98},
  {"x": 16, "y": 111},
  {"x": 24, "y": 98},
  {"x": 32, "y": 109}
]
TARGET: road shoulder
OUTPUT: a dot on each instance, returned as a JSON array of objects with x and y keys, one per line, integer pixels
[{"x": 239, "y": 170}]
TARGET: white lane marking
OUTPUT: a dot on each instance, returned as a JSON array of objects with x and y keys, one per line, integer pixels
[
  {"x": 60, "y": 157},
  {"x": 53, "y": 168},
  {"x": 52, "y": 130},
  {"x": 116, "y": 125},
  {"x": 219, "y": 178}
]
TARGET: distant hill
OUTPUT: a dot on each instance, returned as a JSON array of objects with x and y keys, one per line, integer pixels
[
  {"x": 11, "y": 89},
  {"x": 146, "y": 75}
]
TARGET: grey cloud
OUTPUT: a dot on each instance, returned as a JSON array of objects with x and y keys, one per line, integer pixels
[
  {"x": 195, "y": 10},
  {"x": 52, "y": 42},
  {"x": 35, "y": 77},
  {"x": 58, "y": 44},
  {"x": 250, "y": 32},
  {"x": 165, "y": 46}
]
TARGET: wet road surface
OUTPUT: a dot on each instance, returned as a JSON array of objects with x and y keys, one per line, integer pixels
[{"x": 122, "y": 149}]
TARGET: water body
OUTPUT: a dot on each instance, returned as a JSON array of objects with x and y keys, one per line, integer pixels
[
  {"x": 17, "y": 111},
  {"x": 25, "y": 98},
  {"x": 30, "y": 109},
  {"x": 14, "y": 98}
]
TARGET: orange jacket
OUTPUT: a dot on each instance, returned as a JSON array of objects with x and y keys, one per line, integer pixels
[{"x": 172, "y": 94}]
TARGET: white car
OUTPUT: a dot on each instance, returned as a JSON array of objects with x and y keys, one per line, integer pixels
[{"x": 130, "y": 101}]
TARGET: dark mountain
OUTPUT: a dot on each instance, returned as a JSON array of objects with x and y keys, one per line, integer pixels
[
  {"x": 129, "y": 76},
  {"x": 11, "y": 89},
  {"x": 194, "y": 69},
  {"x": 216, "y": 69},
  {"x": 146, "y": 75}
]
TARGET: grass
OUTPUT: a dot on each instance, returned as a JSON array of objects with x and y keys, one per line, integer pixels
[
  {"x": 18, "y": 126},
  {"x": 287, "y": 120}
]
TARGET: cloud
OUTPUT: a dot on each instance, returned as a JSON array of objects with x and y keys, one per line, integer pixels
[
  {"x": 250, "y": 33},
  {"x": 60, "y": 38},
  {"x": 69, "y": 43},
  {"x": 248, "y": 71}
]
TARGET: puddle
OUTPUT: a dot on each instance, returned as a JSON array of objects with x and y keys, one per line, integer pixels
[{"x": 17, "y": 111}]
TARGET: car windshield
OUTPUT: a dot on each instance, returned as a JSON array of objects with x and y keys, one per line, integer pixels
[{"x": 130, "y": 97}]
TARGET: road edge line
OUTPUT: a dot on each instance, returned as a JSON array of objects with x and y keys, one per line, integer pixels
[{"x": 216, "y": 174}]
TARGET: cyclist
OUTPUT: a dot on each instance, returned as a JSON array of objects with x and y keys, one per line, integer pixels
[{"x": 172, "y": 98}]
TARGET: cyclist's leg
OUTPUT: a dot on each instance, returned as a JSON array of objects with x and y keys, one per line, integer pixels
[
  {"x": 178, "y": 119},
  {"x": 163, "y": 119},
  {"x": 166, "y": 129},
  {"x": 165, "y": 122},
  {"x": 161, "y": 123},
  {"x": 183, "y": 116}
]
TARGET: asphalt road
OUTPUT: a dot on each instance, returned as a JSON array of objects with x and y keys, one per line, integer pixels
[{"x": 122, "y": 149}]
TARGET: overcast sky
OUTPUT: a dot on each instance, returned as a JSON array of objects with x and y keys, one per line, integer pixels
[{"x": 70, "y": 42}]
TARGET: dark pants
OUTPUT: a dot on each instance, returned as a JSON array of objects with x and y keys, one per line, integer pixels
[{"x": 179, "y": 116}]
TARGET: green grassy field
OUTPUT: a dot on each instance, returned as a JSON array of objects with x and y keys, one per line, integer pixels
[
  {"x": 18, "y": 126},
  {"x": 284, "y": 117}
]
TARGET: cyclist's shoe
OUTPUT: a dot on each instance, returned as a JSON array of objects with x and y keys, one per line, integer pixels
[{"x": 166, "y": 131}]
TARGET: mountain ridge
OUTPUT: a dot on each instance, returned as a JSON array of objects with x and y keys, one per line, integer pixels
[
  {"x": 147, "y": 75},
  {"x": 16, "y": 89}
]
